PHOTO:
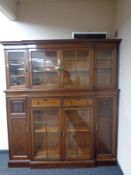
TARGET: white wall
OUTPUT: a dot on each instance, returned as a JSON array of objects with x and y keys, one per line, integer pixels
[
  {"x": 54, "y": 19},
  {"x": 124, "y": 137},
  {"x": 58, "y": 18},
  {"x": 3, "y": 122},
  {"x": 8, "y": 7}
]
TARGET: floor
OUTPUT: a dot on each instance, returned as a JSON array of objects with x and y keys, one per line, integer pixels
[{"x": 4, "y": 170}]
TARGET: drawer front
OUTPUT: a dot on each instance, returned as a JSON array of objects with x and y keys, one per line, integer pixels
[
  {"x": 78, "y": 102},
  {"x": 45, "y": 102}
]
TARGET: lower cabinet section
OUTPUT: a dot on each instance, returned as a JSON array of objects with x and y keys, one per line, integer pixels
[{"x": 62, "y": 131}]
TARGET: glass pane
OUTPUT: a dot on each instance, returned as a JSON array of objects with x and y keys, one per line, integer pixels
[
  {"x": 83, "y": 54},
  {"x": 69, "y": 55},
  {"x": 105, "y": 106},
  {"x": 76, "y": 68},
  {"x": 44, "y": 68},
  {"x": 83, "y": 68},
  {"x": 77, "y": 119},
  {"x": 52, "y": 119},
  {"x": 104, "y": 67},
  {"x": 46, "y": 134},
  {"x": 40, "y": 146},
  {"x": 104, "y": 142},
  {"x": 105, "y": 115},
  {"x": 77, "y": 133},
  {"x": 69, "y": 74},
  {"x": 52, "y": 145},
  {"x": 17, "y": 68},
  {"x": 71, "y": 144},
  {"x": 17, "y": 106},
  {"x": 77, "y": 145}
]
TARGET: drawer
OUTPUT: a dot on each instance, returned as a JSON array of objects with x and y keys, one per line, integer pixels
[
  {"x": 45, "y": 102},
  {"x": 78, "y": 102}
]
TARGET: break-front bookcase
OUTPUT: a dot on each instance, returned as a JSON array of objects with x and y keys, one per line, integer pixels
[{"x": 62, "y": 101}]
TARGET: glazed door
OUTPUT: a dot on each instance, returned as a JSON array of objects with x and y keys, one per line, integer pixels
[
  {"x": 78, "y": 134},
  {"x": 105, "y": 66},
  {"x": 106, "y": 131},
  {"x": 44, "y": 68},
  {"x": 46, "y": 134},
  {"x": 17, "y": 68},
  {"x": 77, "y": 68}
]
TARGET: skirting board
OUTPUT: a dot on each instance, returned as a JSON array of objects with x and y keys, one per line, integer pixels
[{"x": 120, "y": 167}]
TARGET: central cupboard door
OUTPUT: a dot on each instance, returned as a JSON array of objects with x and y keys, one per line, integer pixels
[
  {"x": 78, "y": 137},
  {"x": 62, "y": 137},
  {"x": 46, "y": 129},
  {"x": 77, "y": 68},
  {"x": 63, "y": 68}
]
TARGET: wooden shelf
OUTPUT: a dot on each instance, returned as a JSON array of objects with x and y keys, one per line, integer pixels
[
  {"x": 17, "y": 76},
  {"x": 46, "y": 130},
  {"x": 77, "y": 130},
  {"x": 47, "y": 155}
]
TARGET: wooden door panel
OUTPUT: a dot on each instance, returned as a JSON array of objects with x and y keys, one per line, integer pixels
[{"x": 18, "y": 138}]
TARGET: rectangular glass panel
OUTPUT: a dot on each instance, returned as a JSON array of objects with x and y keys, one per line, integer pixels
[
  {"x": 105, "y": 106},
  {"x": 44, "y": 68},
  {"x": 46, "y": 134},
  {"x": 69, "y": 73},
  {"x": 52, "y": 120},
  {"x": 77, "y": 133},
  {"x": 104, "y": 67},
  {"x": 83, "y": 76},
  {"x": 17, "y": 106},
  {"x": 77, "y": 119},
  {"x": 105, "y": 115},
  {"x": 17, "y": 68},
  {"x": 69, "y": 55},
  {"x": 76, "y": 68},
  {"x": 52, "y": 145}
]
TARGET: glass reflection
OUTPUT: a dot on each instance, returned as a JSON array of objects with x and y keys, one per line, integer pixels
[
  {"x": 17, "y": 69},
  {"x": 44, "y": 70},
  {"x": 46, "y": 137},
  {"x": 77, "y": 134}
]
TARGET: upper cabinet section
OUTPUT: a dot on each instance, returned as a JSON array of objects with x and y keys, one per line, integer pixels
[{"x": 61, "y": 64}]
